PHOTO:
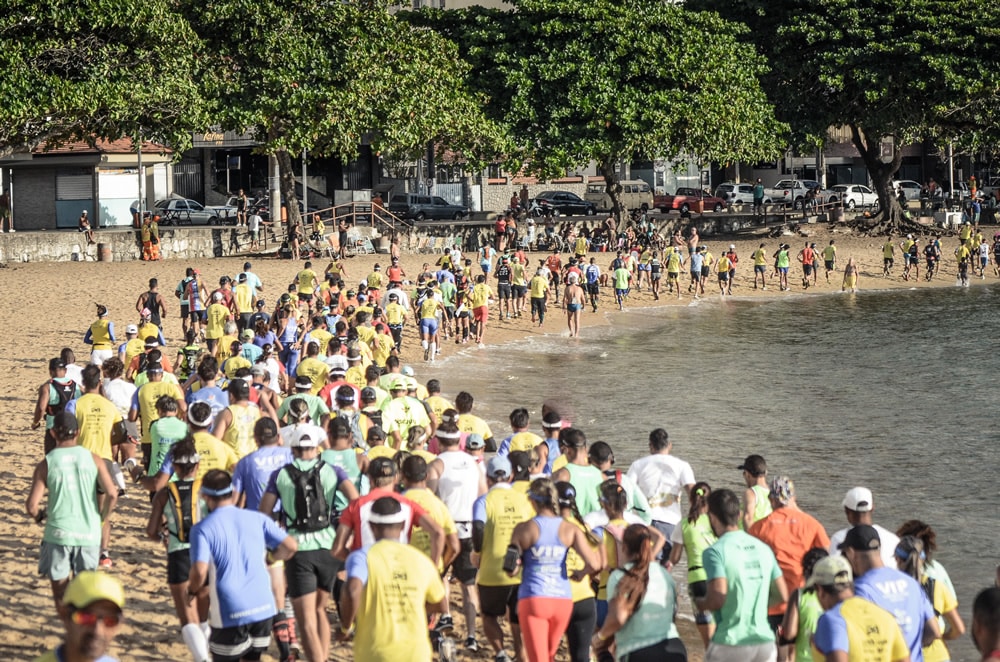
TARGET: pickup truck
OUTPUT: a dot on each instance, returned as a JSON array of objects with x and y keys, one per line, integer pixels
[{"x": 792, "y": 192}]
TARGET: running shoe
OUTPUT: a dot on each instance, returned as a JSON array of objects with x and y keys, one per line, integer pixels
[
  {"x": 502, "y": 657},
  {"x": 472, "y": 645},
  {"x": 444, "y": 624},
  {"x": 105, "y": 561}
]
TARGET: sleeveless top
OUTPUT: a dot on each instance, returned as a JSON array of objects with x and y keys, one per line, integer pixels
[
  {"x": 100, "y": 335},
  {"x": 154, "y": 310},
  {"x": 544, "y": 563},
  {"x": 346, "y": 459},
  {"x": 74, "y": 519},
  {"x": 239, "y": 434},
  {"x": 763, "y": 506},
  {"x": 288, "y": 335}
]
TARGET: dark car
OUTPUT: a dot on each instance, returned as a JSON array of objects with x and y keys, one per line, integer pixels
[
  {"x": 565, "y": 203},
  {"x": 421, "y": 207}
]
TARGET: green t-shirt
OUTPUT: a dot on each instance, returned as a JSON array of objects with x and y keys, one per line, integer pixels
[
  {"x": 313, "y": 540},
  {"x": 346, "y": 459},
  {"x": 74, "y": 519},
  {"x": 587, "y": 481},
  {"x": 748, "y": 566},
  {"x": 164, "y": 433},
  {"x": 621, "y": 278},
  {"x": 653, "y": 621},
  {"x": 697, "y": 538},
  {"x": 782, "y": 259},
  {"x": 317, "y": 408},
  {"x": 762, "y": 507},
  {"x": 809, "y": 612}
]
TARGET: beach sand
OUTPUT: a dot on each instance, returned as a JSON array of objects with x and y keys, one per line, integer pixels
[{"x": 50, "y": 306}]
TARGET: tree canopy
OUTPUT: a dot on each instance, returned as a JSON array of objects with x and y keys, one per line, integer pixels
[
  {"x": 894, "y": 72},
  {"x": 92, "y": 70},
  {"x": 575, "y": 81}
]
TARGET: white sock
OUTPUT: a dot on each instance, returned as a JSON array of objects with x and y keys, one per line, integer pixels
[
  {"x": 196, "y": 642},
  {"x": 433, "y": 348},
  {"x": 423, "y": 344},
  {"x": 207, "y": 629}
]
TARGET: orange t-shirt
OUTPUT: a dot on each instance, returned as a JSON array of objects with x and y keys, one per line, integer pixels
[{"x": 790, "y": 533}]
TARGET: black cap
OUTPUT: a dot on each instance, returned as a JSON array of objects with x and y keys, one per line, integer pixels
[
  {"x": 382, "y": 467},
  {"x": 57, "y": 364},
  {"x": 240, "y": 388},
  {"x": 265, "y": 428},
  {"x": 755, "y": 465},
  {"x": 65, "y": 423},
  {"x": 863, "y": 538}
]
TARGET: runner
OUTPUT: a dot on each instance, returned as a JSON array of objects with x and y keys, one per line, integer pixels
[
  {"x": 91, "y": 612},
  {"x": 72, "y": 476},
  {"x": 663, "y": 478},
  {"x": 53, "y": 396},
  {"x": 910, "y": 556},
  {"x": 478, "y": 300},
  {"x": 805, "y": 257},
  {"x": 674, "y": 262},
  {"x": 228, "y": 548},
  {"x": 888, "y": 257},
  {"x": 850, "y": 282},
  {"x": 621, "y": 278},
  {"x": 693, "y": 537},
  {"x": 428, "y": 313},
  {"x": 781, "y": 267},
  {"x": 695, "y": 262},
  {"x": 539, "y": 287},
  {"x": 101, "y": 337},
  {"x": 722, "y": 267},
  {"x": 583, "y": 618},
  {"x": 573, "y": 298},
  {"x": 234, "y": 425}
]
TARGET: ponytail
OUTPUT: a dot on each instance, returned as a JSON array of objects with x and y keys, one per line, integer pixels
[
  {"x": 699, "y": 500},
  {"x": 910, "y": 556},
  {"x": 567, "y": 499},
  {"x": 613, "y": 497},
  {"x": 638, "y": 542}
]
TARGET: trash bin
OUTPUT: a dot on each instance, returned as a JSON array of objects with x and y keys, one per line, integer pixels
[
  {"x": 104, "y": 253},
  {"x": 698, "y": 206}
]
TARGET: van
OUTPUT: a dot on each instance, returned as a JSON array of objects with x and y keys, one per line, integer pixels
[{"x": 636, "y": 194}]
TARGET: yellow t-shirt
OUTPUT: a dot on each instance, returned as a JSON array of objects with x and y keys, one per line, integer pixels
[
  {"x": 134, "y": 348},
  {"x": 381, "y": 349},
  {"x": 872, "y": 632},
  {"x": 217, "y": 316},
  {"x": 722, "y": 266},
  {"x": 223, "y": 352},
  {"x": 480, "y": 295},
  {"x": 381, "y": 451},
  {"x": 505, "y": 509},
  {"x": 395, "y": 314},
  {"x": 944, "y": 601},
  {"x": 559, "y": 463},
  {"x": 759, "y": 258},
  {"x": 322, "y": 338},
  {"x": 96, "y": 417},
  {"x": 524, "y": 441},
  {"x": 392, "y": 620},
  {"x": 147, "y": 397},
  {"x": 316, "y": 371},
  {"x": 214, "y": 454},
  {"x": 233, "y": 364},
  {"x": 306, "y": 281},
  {"x": 472, "y": 424},
  {"x": 147, "y": 330},
  {"x": 244, "y": 298},
  {"x": 438, "y": 405},
  {"x": 437, "y": 511},
  {"x": 888, "y": 250},
  {"x": 583, "y": 589},
  {"x": 239, "y": 433},
  {"x": 674, "y": 263},
  {"x": 429, "y": 308},
  {"x": 539, "y": 286},
  {"x": 374, "y": 280},
  {"x": 355, "y": 376}
]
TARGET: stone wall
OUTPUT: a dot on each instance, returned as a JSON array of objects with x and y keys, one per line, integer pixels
[
  {"x": 67, "y": 246},
  {"x": 496, "y": 197}
]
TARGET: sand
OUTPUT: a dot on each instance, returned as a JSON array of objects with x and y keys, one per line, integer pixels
[{"x": 50, "y": 306}]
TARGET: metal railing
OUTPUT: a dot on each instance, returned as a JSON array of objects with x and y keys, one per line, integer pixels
[{"x": 363, "y": 213}]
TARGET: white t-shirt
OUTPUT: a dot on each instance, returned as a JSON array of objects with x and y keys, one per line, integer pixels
[
  {"x": 599, "y": 518},
  {"x": 662, "y": 478},
  {"x": 887, "y": 538},
  {"x": 458, "y": 488},
  {"x": 253, "y": 223}
]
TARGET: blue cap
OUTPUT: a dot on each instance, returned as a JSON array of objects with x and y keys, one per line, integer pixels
[{"x": 499, "y": 467}]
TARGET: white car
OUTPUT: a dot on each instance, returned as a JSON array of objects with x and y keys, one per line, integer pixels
[
  {"x": 855, "y": 195},
  {"x": 738, "y": 194},
  {"x": 910, "y": 188}
]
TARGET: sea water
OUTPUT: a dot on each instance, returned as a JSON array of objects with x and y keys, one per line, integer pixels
[{"x": 895, "y": 390}]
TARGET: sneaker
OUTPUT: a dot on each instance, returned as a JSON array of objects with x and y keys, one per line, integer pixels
[
  {"x": 472, "y": 645},
  {"x": 105, "y": 561},
  {"x": 501, "y": 657},
  {"x": 444, "y": 624}
]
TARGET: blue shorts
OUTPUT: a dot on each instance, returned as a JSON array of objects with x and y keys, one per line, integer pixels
[
  {"x": 429, "y": 326},
  {"x": 782, "y": 270},
  {"x": 760, "y": 268},
  {"x": 574, "y": 307}
]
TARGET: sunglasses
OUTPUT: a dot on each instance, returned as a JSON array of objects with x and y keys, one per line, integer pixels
[{"x": 88, "y": 619}]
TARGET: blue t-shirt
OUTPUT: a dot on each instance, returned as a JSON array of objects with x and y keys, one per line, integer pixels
[
  {"x": 253, "y": 281},
  {"x": 696, "y": 261},
  {"x": 234, "y": 542},
  {"x": 251, "y": 352},
  {"x": 254, "y": 472},
  {"x": 216, "y": 398},
  {"x": 900, "y": 595}
]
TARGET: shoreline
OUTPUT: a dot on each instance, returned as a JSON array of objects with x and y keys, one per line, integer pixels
[{"x": 58, "y": 306}]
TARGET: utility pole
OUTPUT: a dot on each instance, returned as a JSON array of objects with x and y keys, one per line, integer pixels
[
  {"x": 305, "y": 186},
  {"x": 274, "y": 189}
]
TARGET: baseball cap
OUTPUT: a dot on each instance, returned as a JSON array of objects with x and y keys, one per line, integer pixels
[
  {"x": 498, "y": 466},
  {"x": 382, "y": 467},
  {"x": 131, "y": 328},
  {"x": 304, "y": 439},
  {"x": 411, "y": 383},
  {"x": 258, "y": 370},
  {"x": 782, "y": 489},
  {"x": 92, "y": 586},
  {"x": 239, "y": 388},
  {"x": 862, "y": 537},
  {"x": 475, "y": 441},
  {"x": 368, "y": 394},
  {"x": 247, "y": 333},
  {"x": 265, "y": 428},
  {"x": 56, "y": 364},
  {"x": 859, "y": 499},
  {"x": 260, "y": 303},
  {"x": 65, "y": 422},
  {"x": 407, "y": 370},
  {"x": 303, "y": 382},
  {"x": 336, "y": 361},
  {"x": 398, "y": 384},
  {"x": 831, "y": 571},
  {"x": 217, "y": 296},
  {"x": 755, "y": 465}
]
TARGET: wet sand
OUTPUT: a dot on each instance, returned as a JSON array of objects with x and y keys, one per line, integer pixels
[{"x": 50, "y": 306}]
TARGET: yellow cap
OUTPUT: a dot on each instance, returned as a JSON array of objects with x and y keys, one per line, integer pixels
[{"x": 91, "y": 586}]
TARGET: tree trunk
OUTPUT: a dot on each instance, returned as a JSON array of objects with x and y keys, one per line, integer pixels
[
  {"x": 612, "y": 187},
  {"x": 890, "y": 219},
  {"x": 288, "y": 194}
]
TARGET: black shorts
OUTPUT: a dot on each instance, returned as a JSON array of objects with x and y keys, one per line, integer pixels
[
  {"x": 520, "y": 291},
  {"x": 807, "y": 269},
  {"x": 704, "y": 272},
  {"x": 593, "y": 289},
  {"x": 185, "y": 310},
  {"x": 305, "y": 297},
  {"x": 196, "y": 315},
  {"x": 178, "y": 566},
  {"x": 503, "y": 290},
  {"x": 723, "y": 276},
  {"x": 242, "y": 642},
  {"x": 828, "y": 264},
  {"x": 462, "y": 568},
  {"x": 496, "y": 601},
  {"x": 311, "y": 571}
]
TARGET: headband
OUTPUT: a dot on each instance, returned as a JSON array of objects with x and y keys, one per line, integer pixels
[
  {"x": 394, "y": 518},
  {"x": 448, "y": 435},
  {"x": 217, "y": 493}
]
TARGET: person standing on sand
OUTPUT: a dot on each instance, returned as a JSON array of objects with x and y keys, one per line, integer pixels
[
  {"x": 621, "y": 278},
  {"x": 760, "y": 267},
  {"x": 539, "y": 288},
  {"x": 71, "y": 542},
  {"x": 722, "y": 268},
  {"x": 573, "y": 299},
  {"x": 695, "y": 262},
  {"x": 674, "y": 262},
  {"x": 850, "y": 277}
]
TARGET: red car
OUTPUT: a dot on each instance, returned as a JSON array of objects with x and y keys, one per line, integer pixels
[{"x": 685, "y": 198}]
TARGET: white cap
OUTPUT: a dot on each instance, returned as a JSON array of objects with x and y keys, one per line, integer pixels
[
  {"x": 305, "y": 439},
  {"x": 131, "y": 328},
  {"x": 859, "y": 499},
  {"x": 217, "y": 296},
  {"x": 732, "y": 246},
  {"x": 336, "y": 362}
]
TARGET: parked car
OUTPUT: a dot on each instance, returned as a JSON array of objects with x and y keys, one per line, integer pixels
[
  {"x": 911, "y": 189},
  {"x": 635, "y": 194},
  {"x": 421, "y": 207},
  {"x": 855, "y": 195},
  {"x": 561, "y": 203},
  {"x": 685, "y": 198},
  {"x": 181, "y": 210},
  {"x": 738, "y": 194},
  {"x": 792, "y": 192}
]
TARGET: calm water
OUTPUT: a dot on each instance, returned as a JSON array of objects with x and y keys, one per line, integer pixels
[{"x": 894, "y": 391}]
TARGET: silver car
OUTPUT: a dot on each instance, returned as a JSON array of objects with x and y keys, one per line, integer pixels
[{"x": 177, "y": 211}]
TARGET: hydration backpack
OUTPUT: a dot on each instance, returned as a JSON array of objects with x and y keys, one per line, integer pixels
[
  {"x": 354, "y": 421},
  {"x": 64, "y": 393},
  {"x": 184, "y": 501},
  {"x": 312, "y": 512}
]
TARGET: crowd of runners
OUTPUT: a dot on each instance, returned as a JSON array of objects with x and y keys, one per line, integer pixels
[{"x": 290, "y": 460}]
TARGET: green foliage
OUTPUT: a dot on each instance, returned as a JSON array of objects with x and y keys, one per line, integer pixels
[
  {"x": 326, "y": 76},
  {"x": 581, "y": 80},
  {"x": 97, "y": 69}
]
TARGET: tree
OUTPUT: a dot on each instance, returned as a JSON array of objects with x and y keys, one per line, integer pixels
[
  {"x": 576, "y": 81},
  {"x": 97, "y": 70},
  {"x": 325, "y": 76},
  {"x": 893, "y": 72}
]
